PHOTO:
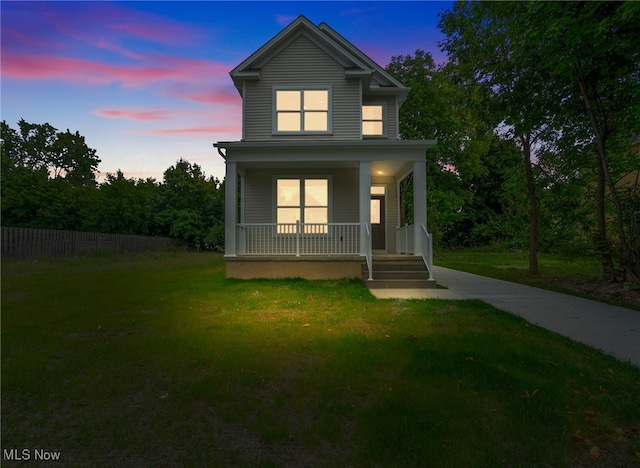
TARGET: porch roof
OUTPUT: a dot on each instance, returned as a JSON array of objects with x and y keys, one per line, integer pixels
[
  {"x": 368, "y": 144},
  {"x": 386, "y": 156}
]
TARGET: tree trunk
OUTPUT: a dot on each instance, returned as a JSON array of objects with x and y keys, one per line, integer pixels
[
  {"x": 602, "y": 242},
  {"x": 600, "y": 132},
  {"x": 525, "y": 140}
]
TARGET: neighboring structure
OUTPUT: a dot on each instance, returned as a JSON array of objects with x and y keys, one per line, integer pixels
[{"x": 317, "y": 183}]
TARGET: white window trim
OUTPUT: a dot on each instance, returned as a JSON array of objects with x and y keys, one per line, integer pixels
[
  {"x": 274, "y": 111},
  {"x": 384, "y": 119},
  {"x": 302, "y": 178}
]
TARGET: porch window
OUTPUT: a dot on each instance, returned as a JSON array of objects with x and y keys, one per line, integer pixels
[
  {"x": 302, "y": 111},
  {"x": 373, "y": 120},
  {"x": 304, "y": 200}
]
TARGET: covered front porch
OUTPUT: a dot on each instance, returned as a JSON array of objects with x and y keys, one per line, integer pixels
[
  {"x": 366, "y": 205},
  {"x": 329, "y": 243}
]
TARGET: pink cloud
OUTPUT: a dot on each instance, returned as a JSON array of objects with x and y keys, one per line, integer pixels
[
  {"x": 209, "y": 95},
  {"x": 203, "y": 69},
  {"x": 39, "y": 67},
  {"x": 144, "y": 115},
  {"x": 204, "y": 130}
]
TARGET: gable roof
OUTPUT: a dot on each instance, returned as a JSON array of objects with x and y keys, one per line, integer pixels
[{"x": 355, "y": 62}]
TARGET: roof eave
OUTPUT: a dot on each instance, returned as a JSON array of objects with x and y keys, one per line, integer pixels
[{"x": 377, "y": 143}]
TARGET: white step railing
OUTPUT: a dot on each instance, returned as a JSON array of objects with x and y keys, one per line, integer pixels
[
  {"x": 298, "y": 239},
  {"x": 427, "y": 249},
  {"x": 369, "y": 253}
]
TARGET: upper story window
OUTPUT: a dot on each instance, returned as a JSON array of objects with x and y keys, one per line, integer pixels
[
  {"x": 302, "y": 111},
  {"x": 373, "y": 120}
]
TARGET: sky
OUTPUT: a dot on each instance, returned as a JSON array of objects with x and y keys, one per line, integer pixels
[{"x": 147, "y": 83}]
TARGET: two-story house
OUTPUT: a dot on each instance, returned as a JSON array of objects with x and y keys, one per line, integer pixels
[{"x": 317, "y": 184}]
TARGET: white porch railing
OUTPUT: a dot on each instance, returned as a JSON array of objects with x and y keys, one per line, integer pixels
[
  {"x": 404, "y": 239},
  {"x": 298, "y": 239},
  {"x": 405, "y": 243}
]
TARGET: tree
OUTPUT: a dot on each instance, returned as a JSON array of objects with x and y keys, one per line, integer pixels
[
  {"x": 32, "y": 146},
  {"x": 492, "y": 213},
  {"x": 436, "y": 108},
  {"x": 43, "y": 172},
  {"x": 73, "y": 158},
  {"x": 555, "y": 70},
  {"x": 48, "y": 181},
  {"x": 483, "y": 41},
  {"x": 41, "y": 146},
  {"x": 123, "y": 206},
  {"x": 591, "y": 54},
  {"x": 24, "y": 191},
  {"x": 189, "y": 205}
]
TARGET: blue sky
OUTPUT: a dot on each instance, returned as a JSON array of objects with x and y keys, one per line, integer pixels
[{"x": 147, "y": 83}]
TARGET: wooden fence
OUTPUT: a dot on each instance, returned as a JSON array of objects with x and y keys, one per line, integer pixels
[{"x": 23, "y": 243}]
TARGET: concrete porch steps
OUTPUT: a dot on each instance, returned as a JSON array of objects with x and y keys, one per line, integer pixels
[{"x": 398, "y": 272}]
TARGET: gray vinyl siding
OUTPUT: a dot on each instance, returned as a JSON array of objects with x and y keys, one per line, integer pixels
[
  {"x": 257, "y": 197},
  {"x": 302, "y": 64},
  {"x": 259, "y": 204},
  {"x": 345, "y": 202}
]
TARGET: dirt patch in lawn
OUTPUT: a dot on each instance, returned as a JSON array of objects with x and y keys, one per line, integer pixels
[{"x": 602, "y": 289}]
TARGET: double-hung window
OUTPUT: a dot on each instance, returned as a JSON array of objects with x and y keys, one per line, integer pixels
[
  {"x": 302, "y": 111},
  {"x": 373, "y": 120},
  {"x": 302, "y": 200}
]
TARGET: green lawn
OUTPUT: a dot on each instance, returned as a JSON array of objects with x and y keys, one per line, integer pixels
[{"x": 158, "y": 360}]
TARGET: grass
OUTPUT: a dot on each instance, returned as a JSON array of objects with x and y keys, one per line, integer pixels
[
  {"x": 159, "y": 360},
  {"x": 577, "y": 276}
]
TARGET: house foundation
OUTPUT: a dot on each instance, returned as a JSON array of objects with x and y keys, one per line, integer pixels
[{"x": 313, "y": 268}]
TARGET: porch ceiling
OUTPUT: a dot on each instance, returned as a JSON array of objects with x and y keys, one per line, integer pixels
[
  {"x": 388, "y": 168},
  {"x": 297, "y": 164}
]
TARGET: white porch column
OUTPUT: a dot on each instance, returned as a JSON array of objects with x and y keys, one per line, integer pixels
[
  {"x": 365, "y": 203},
  {"x": 230, "y": 209},
  {"x": 419, "y": 202}
]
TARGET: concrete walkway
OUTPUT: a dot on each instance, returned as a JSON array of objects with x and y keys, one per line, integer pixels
[{"x": 615, "y": 330}]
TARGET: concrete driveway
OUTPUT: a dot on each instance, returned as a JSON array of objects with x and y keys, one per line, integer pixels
[{"x": 612, "y": 329}]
